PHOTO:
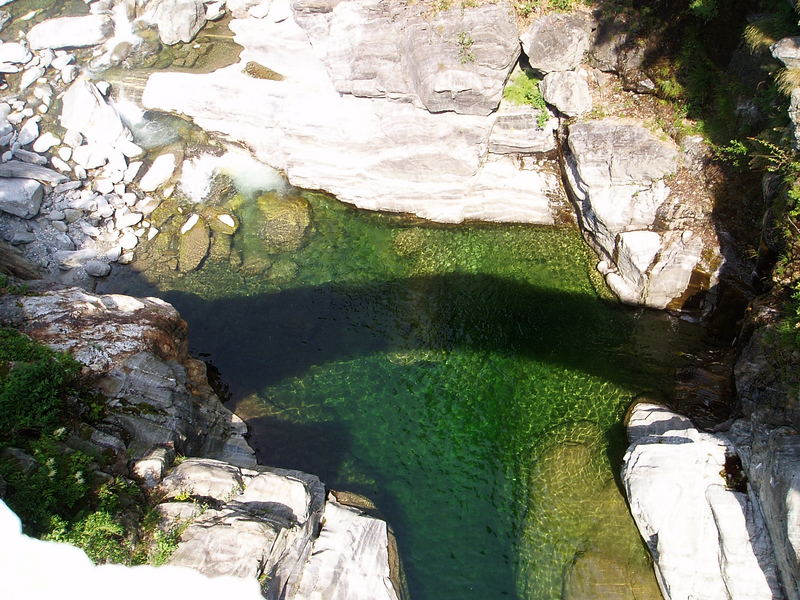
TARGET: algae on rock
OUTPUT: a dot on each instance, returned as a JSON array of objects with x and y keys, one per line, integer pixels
[{"x": 286, "y": 222}]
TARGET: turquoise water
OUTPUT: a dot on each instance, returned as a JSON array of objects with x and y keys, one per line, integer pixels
[{"x": 470, "y": 380}]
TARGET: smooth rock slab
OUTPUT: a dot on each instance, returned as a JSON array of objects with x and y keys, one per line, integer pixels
[
  {"x": 707, "y": 541},
  {"x": 21, "y": 197},
  {"x": 71, "y": 32}
]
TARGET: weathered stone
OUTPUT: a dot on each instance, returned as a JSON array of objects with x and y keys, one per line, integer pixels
[
  {"x": 21, "y": 197},
  {"x": 71, "y": 32},
  {"x": 177, "y": 20},
  {"x": 707, "y": 540},
  {"x": 517, "y": 130},
  {"x": 787, "y": 51},
  {"x": 372, "y": 152},
  {"x": 286, "y": 221},
  {"x": 87, "y": 112},
  {"x": 13, "y": 52},
  {"x": 455, "y": 60},
  {"x": 97, "y": 268},
  {"x": 194, "y": 243},
  {"x": 349, "y": 558},
  {"x": 203, "y": 478},
  {"x": 158, "y": 173},
  {"x": 557, "y": 42},
  {"x": 616, "y": 172},
  {"x": 568, "y": 92},
  {"x": 24, "y": 170},
  {"x": 136, "y": 351}
]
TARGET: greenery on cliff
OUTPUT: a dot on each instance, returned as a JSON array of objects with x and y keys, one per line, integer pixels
[{"x": 60, "y": 492}]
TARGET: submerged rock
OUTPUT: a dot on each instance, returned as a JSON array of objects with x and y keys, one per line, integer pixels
[
  {"x": 286, "y": 222},
  {"x": 194, "y": 243}
]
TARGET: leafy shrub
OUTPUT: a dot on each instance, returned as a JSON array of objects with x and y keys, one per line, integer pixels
[{"x": 98, "y": 534}]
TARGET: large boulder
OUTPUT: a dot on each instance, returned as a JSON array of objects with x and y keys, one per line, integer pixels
[
  {"x": 71, "y": 32},
  {"x": 518, "y": 129},
  {"x": 177, "y": 20},
  {"x": 568, "y": 92},
  {"x": 456, "y": 59},
  {"x": 376, "y": 153},
  {"x": 87, "y": 112},
  {"x": 617, "y": 172},
  {"x": 21, "y": 197},
  {"x": 557, "y": 42},
  {"x": 135, "y": 350},
  {"x": 703, "y": 528}
]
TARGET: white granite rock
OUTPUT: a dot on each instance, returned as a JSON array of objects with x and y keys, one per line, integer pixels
[
  {"x": 707, "y": 541},
  {"x": 159, "y": 173},
  {"x": 71, "y": 32},
  {"x": 568, "y": 92},
  {"x": 557, "y": 42},
  {"x": 46, "y": 141},
  {"x": 616, "y": 171},
  {"x": 21, "y": 197},
  {"x": 177, "y": 20},
  {"x": 371, "y": 152},
  {"x": 13, "y": 52}
]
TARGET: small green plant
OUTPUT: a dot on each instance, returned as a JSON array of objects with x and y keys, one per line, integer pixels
[
  {"x": 524, "y": 89},
  {"x": 735, "y": 153},
  {"x": 465, "y": 43}
]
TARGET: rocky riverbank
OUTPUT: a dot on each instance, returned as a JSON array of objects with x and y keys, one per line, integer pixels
[
  {"x": 404, "y": 108},
  {"x": 238, "y": 518}
]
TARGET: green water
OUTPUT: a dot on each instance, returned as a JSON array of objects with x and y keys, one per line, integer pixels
[{"x": 467, "y": 379}]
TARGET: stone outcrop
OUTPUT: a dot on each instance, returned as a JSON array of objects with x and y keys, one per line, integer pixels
[
  {"x": 618, "y": 174},
  {"x": 767, "y": 434},
  {"x": 236, "y": 518},
  {"x": 557, "y": 42},
  {"x": 457, "y": 59},
  {"x": 701, "y": 523},
  {"x": 176, "y": 20},
  {"x": 374, "y": 152},
  {"x": 568, "y": 92},
  {"x": 135, "y": 350}
]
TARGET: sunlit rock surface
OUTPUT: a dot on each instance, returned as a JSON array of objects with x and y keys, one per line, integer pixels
[
  {"x": 373, "y": 152},
  {"x": 704, "y": 529}
]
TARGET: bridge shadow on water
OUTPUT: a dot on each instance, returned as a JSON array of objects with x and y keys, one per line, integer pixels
[{"x": 262, "y": 340}]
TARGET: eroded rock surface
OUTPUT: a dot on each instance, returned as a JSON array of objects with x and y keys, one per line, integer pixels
[
  {"x": 455, "y": 59},
  {"x": 375, "y": 152},
  {"x": 136, "y": 352},
  {"x": 707, "y": 535},
  {"x": 619, "y": 172}
]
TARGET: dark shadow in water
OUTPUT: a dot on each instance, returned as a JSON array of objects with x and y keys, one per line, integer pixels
[{"x": 258, "y": 341}]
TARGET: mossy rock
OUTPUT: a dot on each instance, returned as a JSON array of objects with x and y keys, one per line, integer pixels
[
  {"x": 286, "y": 222},
  {"x": 283, "y": 270},
  {"x": 220, "y": 220},
  {"x": 255, "y": 264},
  {"x": 259, "y": 71},
  {"x": 220, "y": 247},
  {"x": 194, "y": 245}
]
